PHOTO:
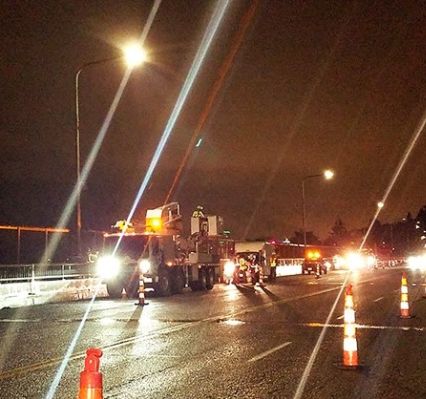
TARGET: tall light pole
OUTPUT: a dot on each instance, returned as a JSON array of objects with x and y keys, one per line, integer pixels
[
  {"x": 133, "y": 55},
  {"x": 328, "y": 175}
]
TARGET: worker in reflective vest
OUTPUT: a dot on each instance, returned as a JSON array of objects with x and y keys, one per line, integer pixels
[{"x": 274, "y": 262}]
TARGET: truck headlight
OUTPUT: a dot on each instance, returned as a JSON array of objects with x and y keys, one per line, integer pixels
[
  {"x": 355, "y": 260},
  {"x": 108, "y": 266},
  {"x": 229, "y": 268},
  {"x": 417, "y": 262},
  {"x": 145, "y": 266}
]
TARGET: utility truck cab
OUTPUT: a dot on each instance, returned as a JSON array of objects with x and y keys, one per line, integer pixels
[{"x": 165, "y": 259}]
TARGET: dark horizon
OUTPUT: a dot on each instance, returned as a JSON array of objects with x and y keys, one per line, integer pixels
[{"x": 316, "y": 86}]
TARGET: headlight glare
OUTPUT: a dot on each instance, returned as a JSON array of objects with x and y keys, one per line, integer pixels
[
  {"x": 145, "y": 266},
  {"x": 355, "y": 260},
  {"x": 229, "y": 268},
  {"x": 108, "y": 266}
]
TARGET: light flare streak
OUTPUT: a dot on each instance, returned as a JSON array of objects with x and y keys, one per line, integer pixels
[
  {"x": 180, "y": 102},
  {"x": 213, "y": 95},
  {"x": 72, "y": 200},
  {"x": 327, "y": 324},
  {"x": 306, "y": 373},
  {"x": 415, "y": 137},
  {"x": 70, "y": 205},
  {"x": 57, "y": 379},
  {"x": 299, "y": 118}
]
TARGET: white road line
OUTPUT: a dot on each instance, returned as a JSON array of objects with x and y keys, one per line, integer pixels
[
  {"x": 340, "y": 317},
  {"x": 20, "y": 320},
  {"x": 366, "y": 327},
  {"x": 267, "y": 353},
  {"x": 168, "y": 330},
  {"x": 379, "y": 299}
]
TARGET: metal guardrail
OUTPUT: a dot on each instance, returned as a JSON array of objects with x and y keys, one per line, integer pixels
[{"x": 46, "y": 272}]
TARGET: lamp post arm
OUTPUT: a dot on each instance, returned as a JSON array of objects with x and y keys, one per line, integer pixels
[
  {"x": 311, "y": 176},
  {"x": 103, "y": 60},
  {"x": 77, "y": 141}
]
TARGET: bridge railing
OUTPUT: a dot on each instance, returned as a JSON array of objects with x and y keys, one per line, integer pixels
[{"x": 40, "y": 272}]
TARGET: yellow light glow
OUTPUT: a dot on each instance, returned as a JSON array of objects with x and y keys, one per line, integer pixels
[
  {"x": 314, "y": 255},
  {"x": 328, "y": 174},
  {"x": 380, "y": 204},
  {"x": 156, "y": 223},
  {"x": 153, "y": 224},
  {"x": 134, "y": 55}
]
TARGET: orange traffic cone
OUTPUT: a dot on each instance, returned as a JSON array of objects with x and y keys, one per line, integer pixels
[
  {"x": 350, "y": 347},
  {"x": 141, "y": 292},
  {"x": 404, "y": 307},
  {"x": 90, "y": 377}
]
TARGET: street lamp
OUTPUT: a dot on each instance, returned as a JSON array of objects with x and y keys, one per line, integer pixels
[
  {"x": 134, "y": 55},
  {"x": 327, "y": 175}
]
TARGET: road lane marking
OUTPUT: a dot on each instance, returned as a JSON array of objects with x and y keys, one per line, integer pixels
[
  {"x": 379, "y": 299},
  {"x": 364, "y": 326},
  {"x": 340, "y": 317},
  {"x": 267, "y": 353},
  {"x": 20, "y": 320},
  {"x": 23, "y": 370}
]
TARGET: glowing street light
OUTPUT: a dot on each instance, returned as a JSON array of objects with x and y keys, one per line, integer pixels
[
  {"x": 380, "y": 204},
  {"x": 134, "y": 55},
  {"x": 328, "y": 174}
]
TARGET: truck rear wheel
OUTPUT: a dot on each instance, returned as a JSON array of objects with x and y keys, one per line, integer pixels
[
  {"x": 202, "y": 278},
  {"x": 201, "y": 283},
  {"x": 115, "y": 288},
  {"x": 163, "y": 286},
  {"x": 178, "y": 282},
  {"x": 210, "y": 278}
]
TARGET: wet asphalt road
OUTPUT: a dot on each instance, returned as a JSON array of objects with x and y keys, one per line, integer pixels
[{"x": 228, "y": 343}]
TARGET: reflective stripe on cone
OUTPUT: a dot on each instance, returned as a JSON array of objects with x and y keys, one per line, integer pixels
[
  {"x": 404, "y": 306},
  {"x": 350, "y": 346}
]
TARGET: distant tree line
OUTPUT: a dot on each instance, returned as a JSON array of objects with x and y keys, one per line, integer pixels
[{"x": 403, "y": 237}]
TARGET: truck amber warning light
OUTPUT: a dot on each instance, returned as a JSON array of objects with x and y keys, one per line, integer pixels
[
  {"x": 314, "y": 255},
  {"x": 153, "y": 220}
]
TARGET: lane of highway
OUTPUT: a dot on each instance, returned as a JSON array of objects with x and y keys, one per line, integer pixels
[{"x": 179, "y": 353}]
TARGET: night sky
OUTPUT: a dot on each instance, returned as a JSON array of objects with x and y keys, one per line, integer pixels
[{"x": 315, "y": 85}]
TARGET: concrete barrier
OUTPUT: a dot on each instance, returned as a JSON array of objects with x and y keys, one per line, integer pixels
[{"x": 39, "y": 292}]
